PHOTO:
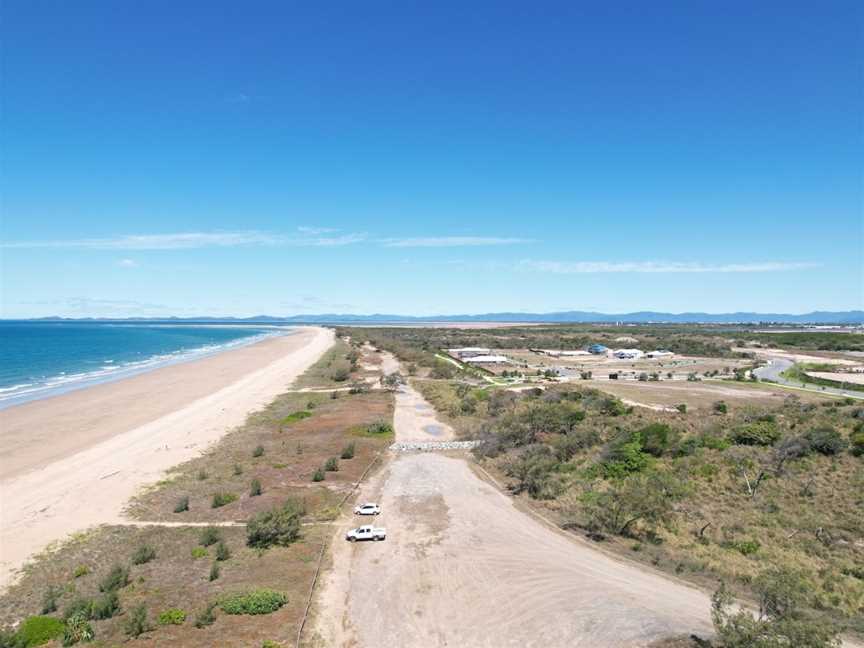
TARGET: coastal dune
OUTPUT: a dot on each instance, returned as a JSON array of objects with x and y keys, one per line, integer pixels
[{"x": 73, "y": 461}]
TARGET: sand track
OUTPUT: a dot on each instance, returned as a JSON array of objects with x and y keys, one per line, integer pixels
[{"x": 462, "y": 566}]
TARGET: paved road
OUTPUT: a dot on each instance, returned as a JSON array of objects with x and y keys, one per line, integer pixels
[{"x": 776, "y": 366}]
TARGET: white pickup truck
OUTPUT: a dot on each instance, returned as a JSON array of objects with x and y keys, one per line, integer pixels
[{"x": 366, "y": 532}]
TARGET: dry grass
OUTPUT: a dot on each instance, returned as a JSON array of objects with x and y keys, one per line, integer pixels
[
  {"x": 176, "y": 580},
  {"x": 292, "y": 453}
]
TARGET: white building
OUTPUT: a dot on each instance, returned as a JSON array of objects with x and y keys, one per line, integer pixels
[
  {"x": 660, "y": 353},
  {"x": 628, "y": 354},
  {"x": 487, "y": 359},
  {"x": 469, "y": 352},
  {"x": 557, "y": 353}
]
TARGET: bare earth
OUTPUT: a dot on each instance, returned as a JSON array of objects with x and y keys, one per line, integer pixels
[
  {"x": 117, "y": 437},
  {"x": 462, "y": 566}
]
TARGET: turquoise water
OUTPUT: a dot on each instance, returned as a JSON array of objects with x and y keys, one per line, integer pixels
[{"x": 41, "y": 359}]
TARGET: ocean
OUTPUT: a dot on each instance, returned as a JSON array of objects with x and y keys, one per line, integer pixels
[{"x": 41, "y": 359}]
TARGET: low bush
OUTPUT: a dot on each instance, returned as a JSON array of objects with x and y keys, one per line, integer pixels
[
  {"x": 348, "y": 451},
  {"x": 656, "y": 438},
  {"x": 214, "y": 572},
  {"x": 202, "y": 475},
  {"x": 761, "y": 433},
  {"x": 332, "y": 465},
  {"x": 221, "y": 499},
  {"x": 115, "y": 579},
  {"x": 199, "y": 552},
  {"x": 255, "y": 488},
  {"x": 209, "y": 536},
  {"x": 222, "y": 552},
  {"x": 318, "y": 475},
  {"x": 826, "y": 441},
  {"x": 172, "y": 616},
  {"x": 380, "y": 428},
  {"x": 49, "y": 600},
  {"x": 206, "y": 617},
  {"x": 182, "y": 504},
  {"x": 238, "y": 469},
  {"x": 79, "y": 606},
  {"x": 137, "y": 622},
  {"x": 257, "y": 601},
  {"x": 76, "y": 630},
  {"x": 143, "y": 554},
  {"x": 105, "y": 606},
  {"x": 258, "y": 451},
  {"x": 296, "y": 416},
  {"x": 279, "y": 526},
  {"x": 38, "y": 630},
  {"x": 80, "y": 570},
  {"x": 857, "y": 441},
  {"x": 720, "y": 407}
]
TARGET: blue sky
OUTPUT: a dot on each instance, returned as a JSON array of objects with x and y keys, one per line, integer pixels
[{"x": 233, "y": 158}]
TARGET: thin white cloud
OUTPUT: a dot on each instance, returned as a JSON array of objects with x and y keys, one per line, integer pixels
[
  {"x": 192, "y": 240},
  {"x": 594, "y": 267},
  {"x": 451, "y": 241},
  {"x": 315, "y": 231},
  {"x": 127, "y": 263}
]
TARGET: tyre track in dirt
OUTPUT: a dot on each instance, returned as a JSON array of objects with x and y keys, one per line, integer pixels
[{"x": 462, "y": 566}]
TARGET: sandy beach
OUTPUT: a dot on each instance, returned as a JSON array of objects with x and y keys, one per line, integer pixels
[{"x": 73, "y": 461}]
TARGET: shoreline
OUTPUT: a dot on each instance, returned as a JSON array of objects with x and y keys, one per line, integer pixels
[
  {"x": 60, "y": 384},
  {"x": 73, "y": 461}
]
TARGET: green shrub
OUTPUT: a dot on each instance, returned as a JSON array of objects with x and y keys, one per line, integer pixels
[
  {"x": 682, "y": 408},
  {"x": 49, "y": 600},
  {"x": 720, "y": 407},
  {"x": 258, "y": 451},
  {"x": 222, "y": 552},
  {"x": 255, "y": 488},
  {"x": 172, "y": 616},
  {"x": 206, "y": 616},
  {"x": 381, "y": 428},
  {"x": 857, "y": 440},
  {"x": 38, "y": 630},
  {"x": 80, "y": 570},
  {"x": 656, "y": 438},
  {"x": 79, "y": 606},
  {"x": 143, "y": 554},
  {"x": 257, "y": 601},
  {"x": 348, "y": 451},
  {"x": 77, "y": 629},
  {"x": 279, "y": 526},
  {"x": 238, "y": 469},
  {"x": 199, "y": 552},
  {"x": 762, "y": 433},
  {"x": 318, "y": 475},
  {"x": 623, "y": 455},
  {"x": 332, "y": 465},
  {"x": 221, "y": 499},
  {"x": 105, "y": 606},
  {"x": 209, "y": 536},
  {"x": 202, "y": 475},
  {"x": 270, "y": 644},
  {"x": 744, "y": 547},
  {"x": 214, "y": 571},
  {"x": 182, "y": 504},
  {"x": 296, "y": 416},
  {"x": 826, "y": 441},
  {"x": 137, "y": 622},
  {"x": 115, "y": 579}
]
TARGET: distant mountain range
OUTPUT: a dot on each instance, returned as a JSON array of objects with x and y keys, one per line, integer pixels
[{"x": 641, "y": 317}]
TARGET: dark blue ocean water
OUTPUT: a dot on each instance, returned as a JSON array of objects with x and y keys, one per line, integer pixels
[{"x": 39, "y": 359}]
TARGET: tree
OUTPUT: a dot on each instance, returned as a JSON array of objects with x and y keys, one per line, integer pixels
[
  {"x": 648, "y": 499},
  {"x": 779, "y": 623},
  {"x": 392, "y": 381},
  {"x": 278, "y": 526}
]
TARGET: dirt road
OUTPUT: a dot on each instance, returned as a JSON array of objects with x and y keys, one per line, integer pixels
[{"x": 462, "y": 566}]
